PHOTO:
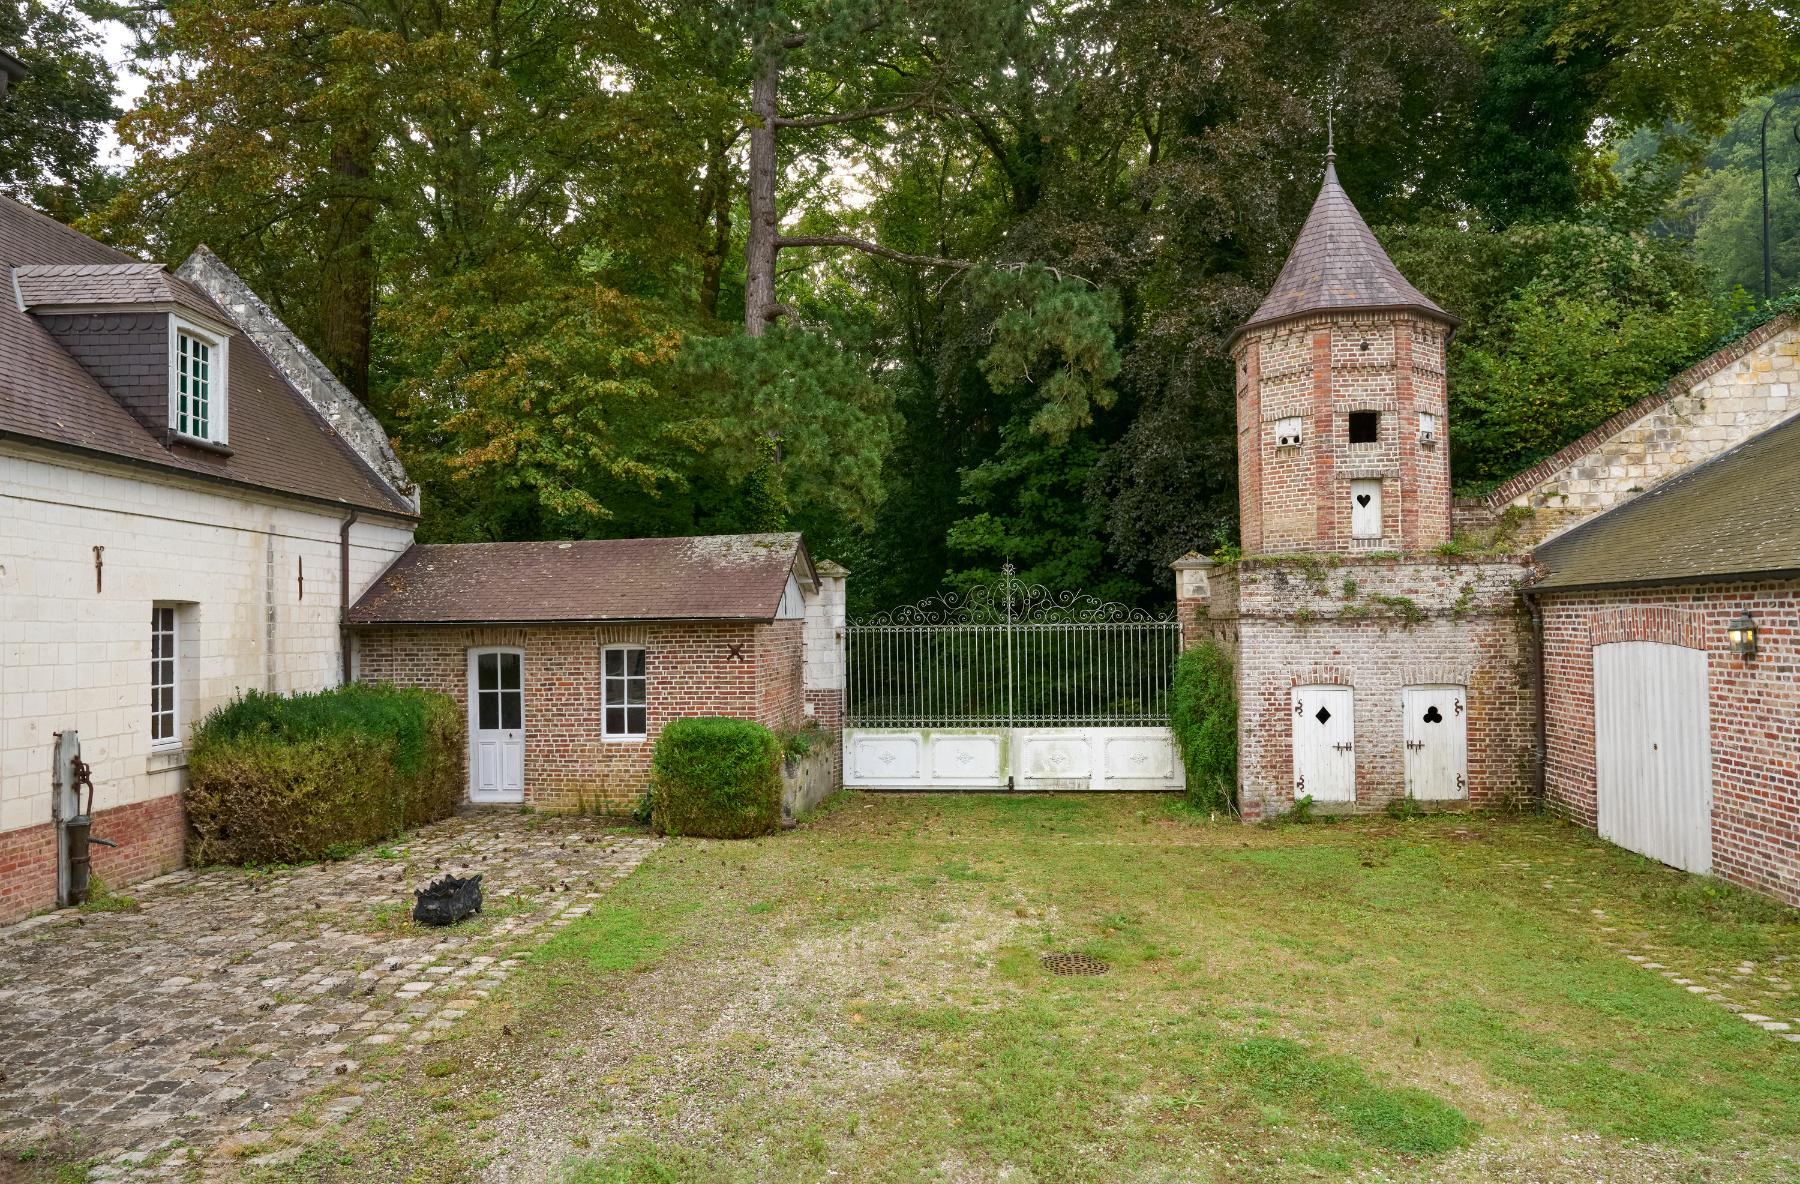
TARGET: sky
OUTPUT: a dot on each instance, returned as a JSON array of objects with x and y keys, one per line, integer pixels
[{"x": 128, "y": 84}]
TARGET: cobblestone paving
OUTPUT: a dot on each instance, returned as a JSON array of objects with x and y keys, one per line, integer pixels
[{"x": 154, "y": 1037}]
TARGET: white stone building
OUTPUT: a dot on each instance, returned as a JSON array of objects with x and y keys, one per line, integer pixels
[{"x": 187, "y": 497}]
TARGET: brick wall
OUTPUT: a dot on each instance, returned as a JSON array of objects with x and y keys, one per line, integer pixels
[
  {"x": 1318, "y": 370},
  {"x": 691, "y": 669},
  {"x": 1719, "y": 402},
  {"x": 1378, "y": 626},
  {"x": 151, "y": 837},
  {"x": 74, "y": 656},
  {"x": 1755, "y": 708}
]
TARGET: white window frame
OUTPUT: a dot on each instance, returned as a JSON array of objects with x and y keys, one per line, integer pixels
[
  {"x": 606, "y": 682},
  {"x": 218, "y": 370},
  {"x": 173, "y": 686}
]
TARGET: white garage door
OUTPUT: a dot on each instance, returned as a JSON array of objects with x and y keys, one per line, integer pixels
[{"x": 1652, "y": 751}]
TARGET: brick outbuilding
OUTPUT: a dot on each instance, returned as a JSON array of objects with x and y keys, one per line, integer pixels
[
  {"x": 570, "y": 657},
  {"x": 1661, "y": 733}
]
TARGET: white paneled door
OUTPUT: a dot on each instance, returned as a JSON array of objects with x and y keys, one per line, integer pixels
[
  {"x": 1652, "y": 751},
  {"x": 1437, "y": 742},
  {"x": 496, "y": 725},
  {"x": 1324, "y": 744}
]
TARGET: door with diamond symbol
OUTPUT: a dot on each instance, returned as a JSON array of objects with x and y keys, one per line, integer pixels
[
  {"x": 1324, "y": 743},
  {"x": 1437, "y": 742}
]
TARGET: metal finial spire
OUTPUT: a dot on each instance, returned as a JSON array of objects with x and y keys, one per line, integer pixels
[{"x": 1330, "y": 135}]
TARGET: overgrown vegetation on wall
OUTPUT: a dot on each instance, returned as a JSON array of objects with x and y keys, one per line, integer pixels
[
  {"x": 716, "y": 778},
  {"x": 1203, "y": 716},
  {"x": 287, "y": 779}
]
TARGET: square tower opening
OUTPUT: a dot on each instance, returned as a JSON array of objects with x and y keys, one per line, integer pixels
[{"x": 1365, "y": 427}]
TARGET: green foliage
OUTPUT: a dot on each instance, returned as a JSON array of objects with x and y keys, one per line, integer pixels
[
  {"x": 1403, "y": 1120},
  {"x": 716, "y": 778},
  {"x": 288, "y": 779},
  {"x": 1203, "y": 712},
  {"x": 51, "y": 120},
  {"x": 1566, "y": 324}
]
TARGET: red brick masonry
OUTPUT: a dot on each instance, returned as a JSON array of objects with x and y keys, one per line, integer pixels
[
  {"x": 732, "y": 668},
  {"x": 1755, "y": 706},
  {"x": 151, "y": 836}
]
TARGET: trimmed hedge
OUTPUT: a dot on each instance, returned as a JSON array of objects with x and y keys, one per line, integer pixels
[
  {"x": 289, "y": 779},
  {"x": 1203, "y": 716},
  {"x": 716, "y": 778}
]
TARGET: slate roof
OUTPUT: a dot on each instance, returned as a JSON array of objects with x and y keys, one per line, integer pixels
[
  {"x": 1736, "y": 516},
  {"x": 278, "y": 441},
  {"x": 1336, "y": 263},
  {"x": 106, "y": 285},
  {"x": 728, "y": 577}
]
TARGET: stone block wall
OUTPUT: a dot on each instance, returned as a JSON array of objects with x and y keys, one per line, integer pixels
[
  {"x": 1296, "y": 497},
  {"x": 1745, "y": 388},
  {"x": 740, "y": 669},
  {"x": 1378, "y": 625},
  {"x": 254, "y": 580},
  {"x": 1755, "y": 710}
]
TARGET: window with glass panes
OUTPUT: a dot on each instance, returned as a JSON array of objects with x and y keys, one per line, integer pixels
[
  {"x": 162, "y": 675},
  {"x": 499, "y": 691},
  {"x": 622, "y": 670},
  {"x": 193, "y": 386}
]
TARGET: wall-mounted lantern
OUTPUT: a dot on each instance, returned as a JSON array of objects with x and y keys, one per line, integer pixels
[{"x": 1742, "y": 633}]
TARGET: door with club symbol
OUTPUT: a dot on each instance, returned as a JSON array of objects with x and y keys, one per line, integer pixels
[
  {"x": 1437, "y": 742},
  {"x": 1324, "y": 743}
]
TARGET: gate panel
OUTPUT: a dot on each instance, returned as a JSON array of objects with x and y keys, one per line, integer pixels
[
  {"x": 1652, "y": 753},
  {"x": 1011, "y": 685}
]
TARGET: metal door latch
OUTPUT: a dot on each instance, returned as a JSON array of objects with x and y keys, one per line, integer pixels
[{"x": 1342, "y": 747}]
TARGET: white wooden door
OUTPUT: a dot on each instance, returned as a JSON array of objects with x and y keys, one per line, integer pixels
[
  {"x": 496, "y": 725},
  {"x": 1365, "y": 508},
  {"x": 1324, "y": 751},
  {"x": 1437, "y": 742},
  {"x": 1653, "y": 751}
]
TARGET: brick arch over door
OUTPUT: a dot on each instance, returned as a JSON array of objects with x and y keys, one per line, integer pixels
[{"x": 1670, "y": 626}]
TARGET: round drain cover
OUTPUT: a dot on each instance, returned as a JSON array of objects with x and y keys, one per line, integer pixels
[{"x": 1073, "y": 964}]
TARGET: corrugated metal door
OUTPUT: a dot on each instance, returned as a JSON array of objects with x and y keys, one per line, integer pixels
[
  {"x": 1652, "y": 751},
  {"x": 1324, "y": 749},
  {"x": 1437, "y": 742}
]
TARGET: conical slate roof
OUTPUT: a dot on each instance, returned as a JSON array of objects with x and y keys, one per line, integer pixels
[{"x": 1337, "y": 264}]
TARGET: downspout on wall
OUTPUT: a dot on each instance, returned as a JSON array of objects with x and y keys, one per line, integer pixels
[
  {"x": 1540, "y": 786},
  {"x": 344, "y": 592}
]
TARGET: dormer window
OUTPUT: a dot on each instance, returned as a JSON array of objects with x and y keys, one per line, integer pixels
[{"x": 197, "y": 382}]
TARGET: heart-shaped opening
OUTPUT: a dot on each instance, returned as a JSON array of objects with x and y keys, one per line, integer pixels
[{"x": 1362, "y": 499}]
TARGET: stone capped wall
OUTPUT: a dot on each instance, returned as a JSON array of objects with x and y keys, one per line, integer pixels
[
  {"x": 1754, "y": 704},
  {"x": 1378, "y": 625},
  {"x": 1749, "y": 386},
  {"x": 691, "y": 668}
]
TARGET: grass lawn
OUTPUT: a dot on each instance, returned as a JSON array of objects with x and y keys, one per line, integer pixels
[{"x": 1445, "y": 998}]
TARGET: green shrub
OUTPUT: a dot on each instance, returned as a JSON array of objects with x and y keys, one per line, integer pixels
[
  {"x": 291, "y": 779},
  {"x": 1203, "y": 716},
  {"x": 716, "y": 779}
]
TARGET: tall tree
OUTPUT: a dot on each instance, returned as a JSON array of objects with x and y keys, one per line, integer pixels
[{"x": 51, "y": 120}]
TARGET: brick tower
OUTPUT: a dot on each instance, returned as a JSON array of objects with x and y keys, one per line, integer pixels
[{"x": 1340, "y": 398}]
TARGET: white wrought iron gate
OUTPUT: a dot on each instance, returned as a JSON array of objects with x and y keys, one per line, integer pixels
[{"x": 1011, "y": 686}]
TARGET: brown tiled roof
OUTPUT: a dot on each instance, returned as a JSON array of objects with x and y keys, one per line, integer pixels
[
  {"x": 1337, "y": 264},
  {"x": 278, "y": 442},
  {"x": 1733, "y": 517},
  {"x": 106, "y": 285},
  {"x": 726, "y": 577}
]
